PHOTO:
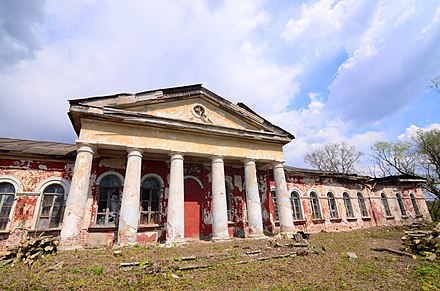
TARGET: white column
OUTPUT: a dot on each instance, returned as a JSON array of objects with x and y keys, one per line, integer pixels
[
  {"x": 175, "y": 225},
  {"x": 219, "y": 204},
  {"x": 285, "y": 211},
  {"x": 253, "y": 202},
  {"x": 129, "y": 213},
  {"x": 70, "y": 237}
]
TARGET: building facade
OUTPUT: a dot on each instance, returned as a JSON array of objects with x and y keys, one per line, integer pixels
[{"x": 181, "y": 163}]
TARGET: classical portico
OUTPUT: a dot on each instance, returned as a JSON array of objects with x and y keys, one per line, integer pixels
[{"x": 175, "y": 125}]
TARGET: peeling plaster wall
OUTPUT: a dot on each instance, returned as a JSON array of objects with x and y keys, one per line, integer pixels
[
  {"x": 31, "y": 173},
  {"x": 24, "y": 212},
  {"x": 376, "y": 216},
  {"x": 396, "y": 217}
]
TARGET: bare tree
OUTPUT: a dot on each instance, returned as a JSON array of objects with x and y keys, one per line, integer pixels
[
  {"x": 420, "y": 156},
  {"x": 394, "y": 158},
  {"x": 436, "y": 83},
  {"x": 334, "y": 157}
]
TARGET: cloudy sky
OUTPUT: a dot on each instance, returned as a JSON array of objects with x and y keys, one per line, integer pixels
[{"x": 353, "y": 70}]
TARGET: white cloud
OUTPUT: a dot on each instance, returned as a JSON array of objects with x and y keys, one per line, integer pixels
[
  {"x": 387, "y": 71},
  {"x": 95, "y": 49},
  {"x": 412, "y": 129},
  {"x": 19, "y": 26}
]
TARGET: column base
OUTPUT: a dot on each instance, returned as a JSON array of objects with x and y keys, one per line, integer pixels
[
  {"x": 70, "y": 248},
  {"x": 170, "y": 244},
  {"x": 256, "y": 235},
  {"x": 287, "y": 234},
  {"x": 220, "y": 238}
]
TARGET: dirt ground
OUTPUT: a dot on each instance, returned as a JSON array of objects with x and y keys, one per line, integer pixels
[{"x": 320, "y": 263}]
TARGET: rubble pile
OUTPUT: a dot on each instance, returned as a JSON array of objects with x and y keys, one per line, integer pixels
[
  {"x": 425, "y": 243},
  {"x": 29, "y": 250}
]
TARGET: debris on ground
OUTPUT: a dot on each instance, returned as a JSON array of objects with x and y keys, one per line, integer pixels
[
  {"x": 424, "y": 243},
  {"x": 352, "y": 256},
  {"x": 29, "y": 250}
]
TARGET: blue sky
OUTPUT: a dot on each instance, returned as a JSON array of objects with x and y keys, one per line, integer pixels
[{"x": 327, "y": 71}]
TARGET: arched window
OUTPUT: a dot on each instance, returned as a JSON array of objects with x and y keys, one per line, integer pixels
[
  {"x": 414, "y": 204},
  {"x": 108, "y": 200},
  {"x": 314, "y": 203},
  {"x": 7, "y": 196},
  {"x": 401, "y": 205},
  {"x": 332, "y": 205},
  {"x": 386, "y": 206},
  {"x": 150, "y": 199},
  {"x": 52, "y": 207},
  {"x": 296, "y": 205},
  {"x": 275, "y": 204},
  {"x": 347, "y": 204},
  {"x": 228, "y": 188},
  {"x": 362, "y": 205}
]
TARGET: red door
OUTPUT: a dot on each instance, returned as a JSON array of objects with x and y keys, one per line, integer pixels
[{"x": 193, "y": 197}]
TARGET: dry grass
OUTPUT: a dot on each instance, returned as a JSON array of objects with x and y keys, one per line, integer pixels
[{"x": 231, "y": 266}]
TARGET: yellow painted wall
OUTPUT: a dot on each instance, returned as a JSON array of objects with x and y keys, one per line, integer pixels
[{"x": 154, "y": 138}]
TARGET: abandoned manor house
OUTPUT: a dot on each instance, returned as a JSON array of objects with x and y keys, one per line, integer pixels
[{"x": 181, "y": 163}]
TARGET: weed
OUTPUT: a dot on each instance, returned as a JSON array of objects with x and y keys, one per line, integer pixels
[
  {"x": 235, "y": 255},
  {"x": 98, "y": 270}
]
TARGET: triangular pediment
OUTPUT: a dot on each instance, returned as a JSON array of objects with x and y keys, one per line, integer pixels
[
  {"x": 189, "y": 104},
  {"x": 193, "y": 109}
]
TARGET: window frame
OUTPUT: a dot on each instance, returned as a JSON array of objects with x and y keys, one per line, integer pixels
[
  {"x": 316, "y": 209},
  {"x": 62, "y": 205},
  {"x": 362, "y": 205},
  {"x": 273, "y": 194},
  {"x": 229, "y": 189},
  {"x": 348, "y": 205},
  {"x": 107, "y": 211},
  {"x": 18, "y": 187},
  {"x": 148, "y": 212},
  {"x": 332, "y": 205},
  {"x": 297, "y": 210},
  {"x": 401, "y": 204},
  {"x": 3, "y": 199},
  {"x": 415, "y": 205},
  {"x": 385, "y": 204}
]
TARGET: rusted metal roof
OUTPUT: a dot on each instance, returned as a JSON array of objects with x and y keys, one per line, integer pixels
[
  {"x": 20, "y": 147},
  {"x": 311, "y": 172}
]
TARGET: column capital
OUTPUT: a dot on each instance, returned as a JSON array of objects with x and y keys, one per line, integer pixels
[
  {"x": 134, "y": 152},
  {"x": 176, "y": 155},
  {"x": 217, "y": 159},
  {"x": 249, "y": 162},
  {"x": 85, "y": 147},
  {"x": 278, "y": 164}
]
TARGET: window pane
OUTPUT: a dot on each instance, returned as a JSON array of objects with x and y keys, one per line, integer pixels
[
  {"x": 151, "y": 183},
  {"x": 3, "y": 223},
  {"x": 401, "y": 205},
  {"x": 415, "y": 205},
  {"x": 7, "y": 188},
  {"x": 100, "y": 219},
  {"x": 43, "y": 223},
  {"x": 114, "y": 200},
  {"x": 54, "y": 188},
  {"x": 102, "y": 206},
  {"x": 110, "y": 181}
]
